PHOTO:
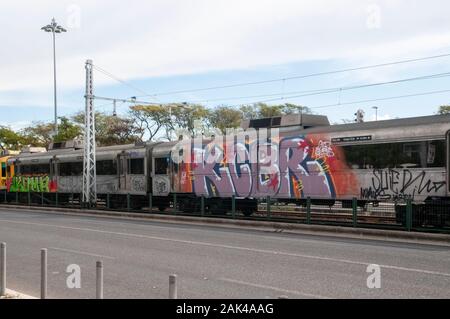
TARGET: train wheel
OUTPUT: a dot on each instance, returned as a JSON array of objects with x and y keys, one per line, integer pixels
[{"x": 247, "y": 212}]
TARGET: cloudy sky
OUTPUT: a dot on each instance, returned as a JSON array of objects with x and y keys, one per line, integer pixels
[{"x": 161, "y": 46}]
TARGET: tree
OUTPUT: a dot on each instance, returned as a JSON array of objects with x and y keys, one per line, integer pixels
[
  {"x": 38, "y": 134},
  {"x": 184, "y": 116},
  {"x": 41, "y": 134},
  {"x": 111, "y": 130},
  {"x": 224, "y": 117},
  {"x": 68, "y": 130},
  {"x": 150, "y": 119},
  {"x": 444, "y": 109},
  {"x": 10, "y": 139},
  {"x": 249, "y": 112},
  {"x": 262, "y": 110}
]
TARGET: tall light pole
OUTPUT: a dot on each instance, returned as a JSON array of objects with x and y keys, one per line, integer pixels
[
  {"x": 376, "y": 112},
  {"x": 54, "y": 28}
]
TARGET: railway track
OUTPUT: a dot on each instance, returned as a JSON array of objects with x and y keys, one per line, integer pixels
[{"x": 363, "y": 217}]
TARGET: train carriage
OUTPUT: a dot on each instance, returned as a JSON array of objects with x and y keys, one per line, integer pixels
[{"x": 303, "y": 156}]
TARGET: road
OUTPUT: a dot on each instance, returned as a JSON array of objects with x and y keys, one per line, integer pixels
[{"x": 212, "y": 262}]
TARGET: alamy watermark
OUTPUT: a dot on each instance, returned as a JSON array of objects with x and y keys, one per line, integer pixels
[
  {"x": 73, "y": 20},
  {"x": 73, "y": 281},
  {"x": 374, "y": 279},
  {"x": 373, "y": 16}
]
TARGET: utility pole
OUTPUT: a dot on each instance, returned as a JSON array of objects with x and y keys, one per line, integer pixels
[
  {"x": 54, "y": 28},
  {"x": 89, "y": 160}
]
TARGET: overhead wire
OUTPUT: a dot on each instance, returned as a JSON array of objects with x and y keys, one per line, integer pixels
[{"x": 298, "y": 76}]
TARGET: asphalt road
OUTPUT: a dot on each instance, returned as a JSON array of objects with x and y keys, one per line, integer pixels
[{"x": 212, "y": 262}]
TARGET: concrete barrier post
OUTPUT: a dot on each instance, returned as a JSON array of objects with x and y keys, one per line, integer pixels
[
  {"x": 2, "y": 269},
  {"x": 99, "y": 278},
  {"x": 43, "y": 273},
  {"x": 173, "y": 293}
]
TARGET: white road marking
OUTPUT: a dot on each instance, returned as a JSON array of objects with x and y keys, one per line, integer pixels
[
  {"x": 80, "y": 253},
  {"x": 263, "y": 251},
  {"x": 121, "y": 221},
  {"x": 292, "y": 292}
]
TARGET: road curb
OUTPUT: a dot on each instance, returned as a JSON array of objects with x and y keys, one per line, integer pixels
[{"x": 279, "y": 227}]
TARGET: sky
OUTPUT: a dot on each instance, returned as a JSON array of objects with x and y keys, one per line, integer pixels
[{"x": 160, "y": 46}]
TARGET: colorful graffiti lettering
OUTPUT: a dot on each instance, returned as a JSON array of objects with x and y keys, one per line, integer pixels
[
  {"x": 25, "y": 184},
  {"x": 291, "y": 167}
]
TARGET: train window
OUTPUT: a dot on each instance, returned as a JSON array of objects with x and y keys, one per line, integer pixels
[
  {"x": 71, "y": 169},
  {"x": 436, "y": 154},
  {"x": 11, "y": 170},
  {"x": 106, "y": 168},
  {"x": 41, "y": 169},
  {"x": 3, "y": 170},
  {"x": 396, "y": 155},
  {"x": 161, "y": 166},
  {"x": 136, "y": 166}
]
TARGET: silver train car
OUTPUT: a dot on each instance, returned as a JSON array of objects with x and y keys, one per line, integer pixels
[{"x": 394, "y": 160}]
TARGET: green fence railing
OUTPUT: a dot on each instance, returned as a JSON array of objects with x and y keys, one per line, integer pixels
[{"x": 430, "y": 216}]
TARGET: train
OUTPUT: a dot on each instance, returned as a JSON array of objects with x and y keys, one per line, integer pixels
[
  {"x": 7, "y": 171},
  {"x": 291, "y": 159}
]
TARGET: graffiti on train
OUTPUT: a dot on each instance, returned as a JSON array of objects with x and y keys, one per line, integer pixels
[
  {"x": 25, "y": 184},
  {"x": 293, "y": 167},
  {"x": 394, "y": 184}
]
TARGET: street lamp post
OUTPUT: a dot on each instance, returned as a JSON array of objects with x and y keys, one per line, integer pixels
[
  {"x": 376, "y": 112},
  {"x": 54, "y": 28}
]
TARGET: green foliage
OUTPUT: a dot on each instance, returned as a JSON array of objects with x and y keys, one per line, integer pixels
[
  {"x": 111, "y": 130},
  {"x": 68, "y": 130},
  {"x": 224, "y": 117},
  {"x": 444, "y": 109},
  {"x": 262, "y": 110},
  {"x": 144, "y": 122},
  {"x": 150, "y": 119},
  {"x": 38, "y": 134},
  {"x": 10, "y": 139},
  {"x": 185, "y": 115}
]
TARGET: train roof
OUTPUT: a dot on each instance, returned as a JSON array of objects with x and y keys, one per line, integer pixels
[
  {"x": 412, "y": 129},
  {"x": 377, "y": 125}
]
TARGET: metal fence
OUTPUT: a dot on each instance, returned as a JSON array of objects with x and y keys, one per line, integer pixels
[{"x": 430, "y": 216}]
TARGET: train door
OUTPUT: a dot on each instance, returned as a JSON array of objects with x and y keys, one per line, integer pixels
[
  {"x": 3, "y": 161},
  {"x": 123, "y": 160},
  {"x": 161, "y": 181},
  {"x": 53, "y": 172}
]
